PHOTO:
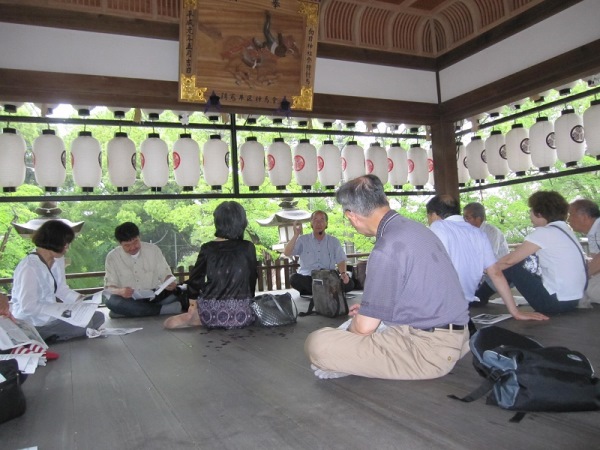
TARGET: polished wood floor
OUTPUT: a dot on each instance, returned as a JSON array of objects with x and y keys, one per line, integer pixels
[{"x": 253, "y": 389}]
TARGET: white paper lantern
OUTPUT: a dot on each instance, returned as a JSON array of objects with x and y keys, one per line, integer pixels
[
  {"x": 86, "y": 161},
  {"x": 495, "y": 155},
  {"x": 430, "y": 167},
  {"x": 186, "y": 162},
  {"x": 252, "y": 163},
  {"x": 215, "y": 162},
  {"x": 279, "y": 163},
  {"x": 591, "y": 122},
  {"x": 49, "y": 161},
  {"x": 376, "y": 162},
  {"x": 121, "y": 158},
  {"x": 476, "y": 159},
  {"x": 329, "y": 164},
  {"x": 517, "y": 149},
  {"x": 568, "y": 132},
  {"x": 418, "y": 173},
  {"x": 155, "y": 162},
  {"x": 353, "y": 161},
  {"x": 397, "y": 165},
  {"x": 542, "y": 145},
  {"x": 305, "y": 163},
  {"x": 12, "y": 159},
  {"x": 461, "y": 164}
]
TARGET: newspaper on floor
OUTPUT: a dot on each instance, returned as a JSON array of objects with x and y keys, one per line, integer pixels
[
  {"x": 78, "y": 313},
  {"x": 18, "y": 333},
  {"x": 91, "y": 333},
  {"x": 27, "y": 362}
]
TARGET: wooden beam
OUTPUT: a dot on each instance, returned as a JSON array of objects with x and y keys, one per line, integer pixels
[
  {"x": 569, "y": 66},
  {"x": 51, "y": 87},
  {"x": 443, "y": 147}
]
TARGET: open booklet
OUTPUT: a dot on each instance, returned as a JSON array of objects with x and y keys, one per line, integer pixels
[
  {"x": 18, "y": 333},
  {"x": 78, "y": 313},
  {"x": 140, "y": 294}
]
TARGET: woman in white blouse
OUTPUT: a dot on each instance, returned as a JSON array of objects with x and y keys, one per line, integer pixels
[{"x": 39, "y": 280}]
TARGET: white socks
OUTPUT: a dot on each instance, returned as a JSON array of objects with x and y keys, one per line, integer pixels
[{"x": 327, "y": 374}]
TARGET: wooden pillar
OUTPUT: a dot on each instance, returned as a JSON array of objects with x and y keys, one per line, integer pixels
[{"x": 444, "y": 157}]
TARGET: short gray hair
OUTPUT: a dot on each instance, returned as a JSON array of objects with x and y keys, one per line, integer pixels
[
  {"x": 362, "y": 195},
  {"x": 476, "y": 209}
]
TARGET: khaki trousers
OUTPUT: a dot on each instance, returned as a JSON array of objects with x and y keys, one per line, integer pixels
[{"x": 398, "y": 353}]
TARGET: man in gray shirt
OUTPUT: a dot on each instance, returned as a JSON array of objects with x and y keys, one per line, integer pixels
[
  {"x": 317, "y": 250},
  {"x": 411, "y": 286}
]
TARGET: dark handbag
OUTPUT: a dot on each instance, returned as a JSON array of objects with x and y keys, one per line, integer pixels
[
  {"x": 12, "y": 400},
  {"x": 274, "y": 310}
]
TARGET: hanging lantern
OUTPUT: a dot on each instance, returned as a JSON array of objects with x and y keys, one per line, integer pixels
[
  {"x": 418, "y": 172},
  {"x": 397, "y": 160},
  {"x": 430, "y": 167},
  {"x": 86, "y": 161},
  {"x": 376, "y": 162},
  {"x": 279, "y": 163},
  {"x": 186, "y": 162},
  {"x": 155, "y": 162},
  {"x": 495, "y": 155},
  {"x": 591, "y": 122},
  {"x": 517, "y": 149},
  {"x": 476, "y": 159},
  {"x": 541, "y": 144},
  {"x": 570, "y": 145},
  {"x": 12, "y": 160},
  {"x": 353, "y": 161},
  {"x": 49, "y": 160},
  {"x": 252, "y": 163},
  {"x": 461, "y": 164},
  {"x": 305, "y": 163},
  {"x": 120, "y": 156},
  {"x": 152, "y": 114},
  {"x": 215, "y": 162},
  {"x": 329, "y": 164},
  {"x": 119, "y": 112}
]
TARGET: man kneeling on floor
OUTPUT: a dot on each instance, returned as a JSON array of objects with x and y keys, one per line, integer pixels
[
  {"x": 139, "y": 266},
  {"x": 412, "y": 322}
]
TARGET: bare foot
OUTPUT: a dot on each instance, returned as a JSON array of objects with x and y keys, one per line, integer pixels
[{"x": 185, "y": 320}]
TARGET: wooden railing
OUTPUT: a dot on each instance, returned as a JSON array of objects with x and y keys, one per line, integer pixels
[{"x": 272, "y": 275}]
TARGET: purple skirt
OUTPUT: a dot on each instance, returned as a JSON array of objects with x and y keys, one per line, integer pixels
[{"x": 231, "y": 313}]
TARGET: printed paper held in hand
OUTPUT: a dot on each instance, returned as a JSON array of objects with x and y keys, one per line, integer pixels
[
  {"x": 489, "y": 319},
  {"x": 139, "y": 294},
  {"x": 78, "y": 313},
  {"x": 16, "y": 334}
]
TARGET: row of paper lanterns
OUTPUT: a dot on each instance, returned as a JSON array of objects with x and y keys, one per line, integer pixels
[
  {"x": 540, "y": 146},
  {"x": 328, "y": 164}
]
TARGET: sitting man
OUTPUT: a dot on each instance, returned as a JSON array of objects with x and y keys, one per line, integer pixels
[
  {"x": 471, "y": 253},
  {"x": 137, "y": 265},
  {"x": 317, "y": 250},
  {"x": 411, "y": 287},
  {"x": 474, "y": 213},
  {"x": 584, "y": 217}
]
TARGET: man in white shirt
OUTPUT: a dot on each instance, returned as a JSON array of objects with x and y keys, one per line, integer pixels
[
  {"x": 470, "y": 252},
  {"x": 136, "y": 265},
  {"x": 584, "y": 217}
]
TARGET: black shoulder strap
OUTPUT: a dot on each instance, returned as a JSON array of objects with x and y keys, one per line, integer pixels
[
  {"x": 51, "y": 274},
  {"x": 580, "y": 252},
  {"x": 310, "y": 309}
]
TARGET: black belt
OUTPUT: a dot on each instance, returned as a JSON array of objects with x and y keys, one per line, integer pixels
[{"x": 448, "y": 326}]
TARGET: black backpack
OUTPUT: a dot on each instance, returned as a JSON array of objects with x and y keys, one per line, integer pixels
[
  {"x": 522, "y": 375},
  {"x": 328, "y": 298}
]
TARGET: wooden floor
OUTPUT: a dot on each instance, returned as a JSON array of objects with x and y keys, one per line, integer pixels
[{"x": 253, "y": 389}]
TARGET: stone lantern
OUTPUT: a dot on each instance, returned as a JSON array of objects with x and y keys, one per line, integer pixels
[{"x": 284, "y": 220}]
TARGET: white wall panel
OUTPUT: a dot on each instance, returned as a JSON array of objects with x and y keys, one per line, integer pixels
[{"x": 558, "y": 34}]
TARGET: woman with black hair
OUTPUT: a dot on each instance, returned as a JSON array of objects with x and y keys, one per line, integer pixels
[
  {"x": 222, "y": 283},
  {"x": 39, "y": 279}
]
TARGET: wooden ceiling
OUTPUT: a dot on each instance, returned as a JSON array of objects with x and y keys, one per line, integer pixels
[{"x": 425, "y": 34}]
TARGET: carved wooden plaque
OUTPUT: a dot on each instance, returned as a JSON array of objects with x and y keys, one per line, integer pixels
[{"x": 251, "y": 53}]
